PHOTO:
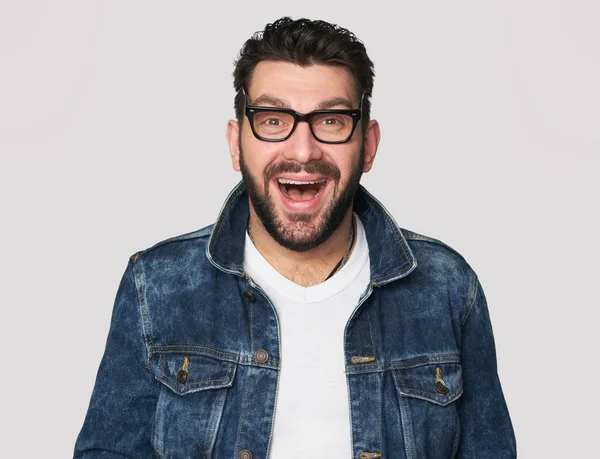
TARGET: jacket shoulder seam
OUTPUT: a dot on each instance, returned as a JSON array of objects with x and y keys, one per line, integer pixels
[
  {"x": 412, "y": 236},
  {"x": 473, "y": 279},
  {"x": 197, "y": 234},
  {"x": 471, "y": 297},
  {"x": 142, "y": 308}
]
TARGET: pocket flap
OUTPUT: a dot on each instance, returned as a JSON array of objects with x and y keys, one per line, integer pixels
[
  {"x": 186, "y": 373},
  {"x": 439, "y": 383}
]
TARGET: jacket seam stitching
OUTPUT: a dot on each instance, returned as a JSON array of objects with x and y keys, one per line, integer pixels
[
  {"x": 440, "y": 358},
  {"x": 430, "y": 395},
  {"x": 170, "y": 381},
  {"x": 472, "y": 296},
  {"x": 140, "y": 283},
  {"x": 213, "y": 423},
  {"x": 218, "y": 355},
  {"x": 155, "y": 439},
  {"x": 412, "y": 236},
  {"x": 174, "y": 348},
  {"x": 398, "y": 235},
  {"x": 240, "y": 424},
  {"x": 221, "y": 221},
  {"x": 392, "y": 366},
  {"x": 371, "y": 333},
  {"x": 379, "y": 404}
]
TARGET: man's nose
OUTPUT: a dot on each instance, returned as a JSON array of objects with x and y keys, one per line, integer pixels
[{"x": 302, "y": 145}]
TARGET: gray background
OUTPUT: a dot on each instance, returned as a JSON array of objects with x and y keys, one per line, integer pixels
[{"x": 112, "y": 137}]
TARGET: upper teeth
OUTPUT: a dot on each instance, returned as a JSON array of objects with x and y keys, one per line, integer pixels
[{"x": 297, "y": 182}]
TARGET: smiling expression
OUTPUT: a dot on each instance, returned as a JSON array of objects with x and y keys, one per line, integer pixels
[{"x": 300, "y": 189}]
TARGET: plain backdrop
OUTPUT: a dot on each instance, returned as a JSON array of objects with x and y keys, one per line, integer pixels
[{"x": 112, "y": 138}]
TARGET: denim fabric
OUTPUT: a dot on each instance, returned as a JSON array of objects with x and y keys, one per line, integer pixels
[{"x": 180, "y": 378}]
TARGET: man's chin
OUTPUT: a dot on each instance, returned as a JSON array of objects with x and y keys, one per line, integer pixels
[
  {"x": 297, "y": 231},
  {"x": 297, "y": 244}
]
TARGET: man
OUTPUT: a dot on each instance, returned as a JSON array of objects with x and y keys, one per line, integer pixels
[{"x": 304, "y": 322}]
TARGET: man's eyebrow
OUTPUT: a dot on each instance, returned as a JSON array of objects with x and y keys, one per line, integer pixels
[
  {"x": 334, "y": 102},
  {"x": 268, "y": 100}
]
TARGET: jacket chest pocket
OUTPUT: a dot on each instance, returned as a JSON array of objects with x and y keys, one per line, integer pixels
[
  {"x": 428, "y": 396},
  {"x": 191, "y": 403}
]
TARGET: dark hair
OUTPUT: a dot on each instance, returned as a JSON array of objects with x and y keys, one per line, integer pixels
[{"x": 305, "y": 42}]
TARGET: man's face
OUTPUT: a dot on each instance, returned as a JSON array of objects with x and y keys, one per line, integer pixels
[{"x": 300, "y": 216}]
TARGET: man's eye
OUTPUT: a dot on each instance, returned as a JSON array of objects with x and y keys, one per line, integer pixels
[
  {"x": 333, "y": 122},
  {"x": 273, "y": 122}
]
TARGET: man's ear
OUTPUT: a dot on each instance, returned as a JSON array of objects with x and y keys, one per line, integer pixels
[
  {"x": 233, "y": 139},
  {"x": 371, "y": 140}
]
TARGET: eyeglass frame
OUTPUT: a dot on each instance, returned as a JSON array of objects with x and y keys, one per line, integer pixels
[{"x": 251, "y": 110}]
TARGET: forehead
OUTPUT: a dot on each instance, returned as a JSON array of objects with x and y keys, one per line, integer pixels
[{"x": 301, "y": 85}]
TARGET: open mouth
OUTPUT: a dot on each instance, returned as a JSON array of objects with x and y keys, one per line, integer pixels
[{"x": 301, "y": 190}]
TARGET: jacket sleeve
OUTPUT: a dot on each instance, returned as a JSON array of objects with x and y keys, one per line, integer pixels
[
  {"x": 486, "y": 428},
  {"x": 119, "y": 420}
]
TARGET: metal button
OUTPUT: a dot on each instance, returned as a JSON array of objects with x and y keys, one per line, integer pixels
[
  {"x": 182, "y": 376},
  {"x": 244, "y": 454},
  {"x": 441, "y": 387},
  {"x": 261, "y": 356},
  {"x": 440, "y": 384},
  {"x": 249, "y": 297}
]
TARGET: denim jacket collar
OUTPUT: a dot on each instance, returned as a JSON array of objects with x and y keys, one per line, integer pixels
[{"x": 390, "y": 255}]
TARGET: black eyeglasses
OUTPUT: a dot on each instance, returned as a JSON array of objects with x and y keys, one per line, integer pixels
[{"x": 278, "y": 124}]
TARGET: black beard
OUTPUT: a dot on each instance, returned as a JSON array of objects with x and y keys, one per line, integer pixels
[{"x": 265, "y": 209}]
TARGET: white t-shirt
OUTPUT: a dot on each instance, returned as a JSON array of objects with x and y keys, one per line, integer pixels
[{"x": 311, "y": 411}]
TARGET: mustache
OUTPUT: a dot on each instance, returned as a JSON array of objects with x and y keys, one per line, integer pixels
[{"x": 312, "y": 167}]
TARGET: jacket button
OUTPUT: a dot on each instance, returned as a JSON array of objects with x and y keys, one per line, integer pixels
[
  {"x": 181, "y": 376},
  {"x": 261, "y": 356},
  {"x": 249, "y": 297},
  {"x": 244, "y": 454},
  {"x": 440, "y": 384},
  {"x": 441, "y": 387}
]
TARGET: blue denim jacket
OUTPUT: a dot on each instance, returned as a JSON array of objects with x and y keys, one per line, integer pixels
[{"x": 192, "y": 358}]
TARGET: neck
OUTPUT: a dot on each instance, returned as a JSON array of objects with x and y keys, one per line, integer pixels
[{"x": 304, "y": 268}]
